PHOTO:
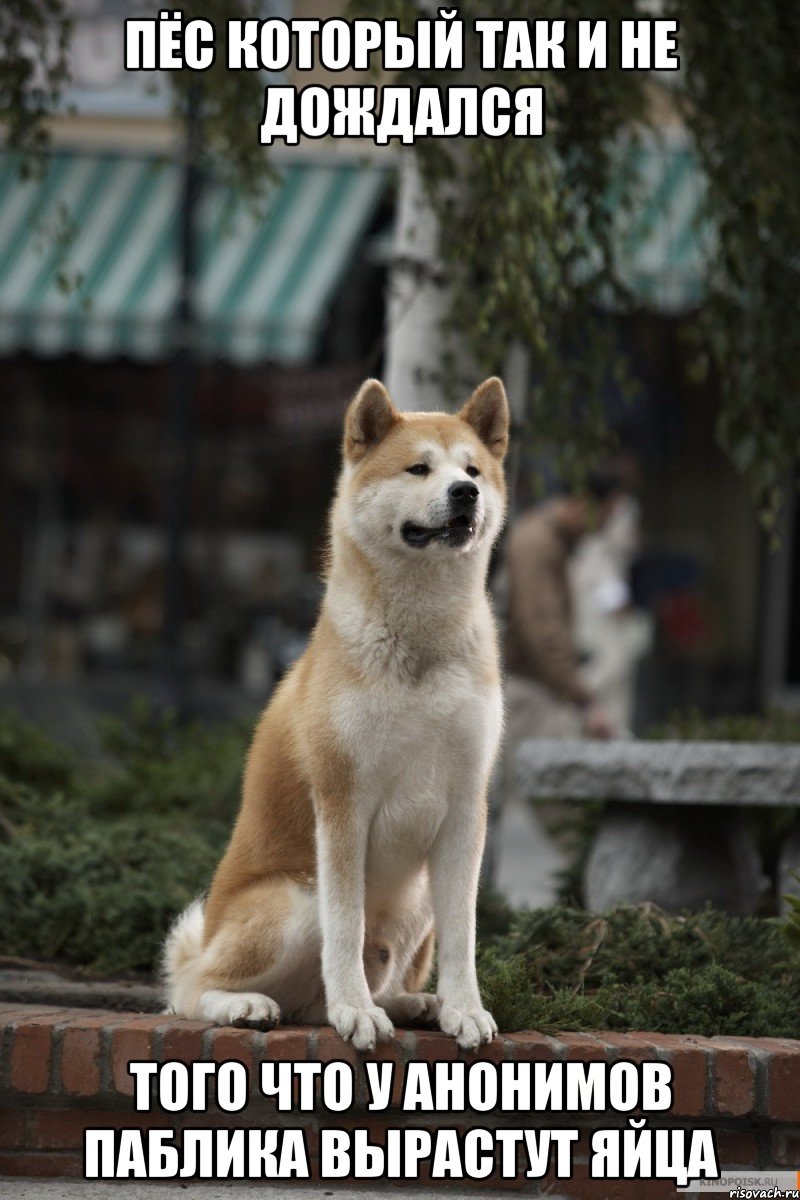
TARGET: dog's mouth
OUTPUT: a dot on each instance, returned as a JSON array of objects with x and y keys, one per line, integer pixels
[{"x": 456, "y": 532}]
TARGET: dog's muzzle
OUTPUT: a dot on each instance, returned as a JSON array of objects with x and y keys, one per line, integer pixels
[{"x": 462, "y": 499}]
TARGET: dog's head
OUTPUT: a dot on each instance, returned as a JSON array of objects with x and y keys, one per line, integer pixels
[{"x": 427, "y": 484}]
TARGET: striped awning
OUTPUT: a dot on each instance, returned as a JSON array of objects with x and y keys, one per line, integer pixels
[{"x": 89, "y": 257}]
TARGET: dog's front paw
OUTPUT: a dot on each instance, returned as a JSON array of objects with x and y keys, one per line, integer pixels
[
  {"x": 469, "y": 1025},
  {"x": 413, "y": 1006},
  {"x": 361, "y": 1026}
]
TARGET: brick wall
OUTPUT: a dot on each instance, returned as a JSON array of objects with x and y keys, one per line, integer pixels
[{"x": 65, "y": 1070}]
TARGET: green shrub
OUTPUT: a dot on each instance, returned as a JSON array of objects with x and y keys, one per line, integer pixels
[
  {"x": 567, "y": 947},
  {"x": 100, "y": 895},
  {"x": 792, "y": 925},
  {"x": 96, "y": 860},
  {"x": 711, "y": 1002},
  {"x": 638, "y": 968},
  {"x": 95, "y": 863},
  {"x": 692, "y": 725},
  {"x": 158, "y": 764},
  {"x": 30, "y": 756}
]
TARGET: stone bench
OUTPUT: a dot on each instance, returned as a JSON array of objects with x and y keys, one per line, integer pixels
[{"x": 672, "y": 832}]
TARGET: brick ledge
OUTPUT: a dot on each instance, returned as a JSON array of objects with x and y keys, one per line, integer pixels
[{"x": 62, "y": 1070}]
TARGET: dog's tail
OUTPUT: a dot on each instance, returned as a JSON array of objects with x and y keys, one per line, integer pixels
[{"x": 180, "y": 959}]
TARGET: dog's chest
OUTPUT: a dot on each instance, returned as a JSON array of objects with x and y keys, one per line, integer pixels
[
  {"x": 415, "y": 751},
  {"x": 392, "y": 731}
]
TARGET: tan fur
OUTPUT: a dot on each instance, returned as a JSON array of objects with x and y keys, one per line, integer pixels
[
  {"x": 305, "y": 768},
  {"x": 417, "y": 974}
]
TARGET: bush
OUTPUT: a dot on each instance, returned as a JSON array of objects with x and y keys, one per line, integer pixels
[
  {"x": 30, "y": 756},
  {"x": 691, "y": 725},
  {"x": 159, "y": 765},
  {"x": 638, "y": 968},
  {"x": 95, "y": 861},
  {"x": 100, "y": 895}
]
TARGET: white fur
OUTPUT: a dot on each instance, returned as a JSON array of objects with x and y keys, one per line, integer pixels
[{"x": 239, "y": 1008}]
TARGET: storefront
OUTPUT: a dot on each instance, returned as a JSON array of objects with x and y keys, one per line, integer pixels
[{"x": 288, "y": 312}]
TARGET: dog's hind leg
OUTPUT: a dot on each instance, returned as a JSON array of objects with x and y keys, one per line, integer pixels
[
  {"x": 263, "y": 958},
  {"x": 252, "y": 1009},
  {"x": 419, "y": 969},
  {"x": 411, "y": 1004}
]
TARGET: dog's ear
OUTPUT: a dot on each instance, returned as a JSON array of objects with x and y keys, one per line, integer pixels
[
  {"x": 487, "y": 412},
  {"x": 369, "y": 418}
]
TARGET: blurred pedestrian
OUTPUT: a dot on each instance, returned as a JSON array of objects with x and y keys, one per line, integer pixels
[
  {"x": 546, "y": 695},
  {"x": 546, "y": 692},
  {"x": 611, "y": 633}
]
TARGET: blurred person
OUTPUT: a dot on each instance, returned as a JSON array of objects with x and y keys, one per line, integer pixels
[
  {"x": 611, "y": 634},
  {"x": 547, "y": 695}
]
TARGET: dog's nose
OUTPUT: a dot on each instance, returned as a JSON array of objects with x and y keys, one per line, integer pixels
[{"x": 462, "y": 494}]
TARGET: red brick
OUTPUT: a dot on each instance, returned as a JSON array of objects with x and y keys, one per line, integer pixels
[
  {"x": 63, "y": 1128},
  {"x": 734, "y": 1082},
  {"x": 132, "y": 1041},
  {"x": 491, "y": 1183},
  {"x": 330, "y": 1047},
  {"x": 12, "y": 1128},
  {"x": 37, "y": 1165},
  {"x": 784, "y": 1085},
  {"x": 392, "y": 1052},
  {"x": 80, "y": 1061},
  {"x": 493, "y": 1051},
  {"x": 633, "y": 1047},
  {"x": 251, "y": 1117},
  {"x": 32, "y": 1052},
  {"x": 582, "y": 1047},
  {"x": 435, "y": 1047},
  {"x": 93, "y": 1018},
  {"x": 9, "y": 1013},
  {"x": 234, "y": 1045},
  {"x": 736, "y": 1148},
  {"x": 581, "y": 1186},
  {"x": 785, "y": 1148},
  {"x": 88, "y": 1016},
  {"x": 530, "y": 1047},
  {"x": 183, "y": 1041},
  {"x": 581, "y": 1150},
  {"x": 753, "y": 1043},
  {"x": 689, "y": 1062},
  {"x": 311, "y": 1135},
  {"x": 375, "y": 1125},
  {"x": 50, "y": 1133},
  {"x": 288, "y": 1045}
]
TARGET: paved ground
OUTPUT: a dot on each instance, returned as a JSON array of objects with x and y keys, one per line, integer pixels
[{"x": 76, "y": 1189}]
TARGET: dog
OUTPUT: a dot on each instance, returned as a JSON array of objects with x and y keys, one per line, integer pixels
[{"x": 363, "y": 812}]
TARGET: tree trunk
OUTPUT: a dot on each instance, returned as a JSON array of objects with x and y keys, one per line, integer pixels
[{"x": 418, "y": 298}]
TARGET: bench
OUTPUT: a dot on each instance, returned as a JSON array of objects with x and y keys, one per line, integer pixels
[{"x": 672, "y": 831}]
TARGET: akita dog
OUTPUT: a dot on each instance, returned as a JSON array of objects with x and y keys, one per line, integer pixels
[{"x": 363, "y": 814}]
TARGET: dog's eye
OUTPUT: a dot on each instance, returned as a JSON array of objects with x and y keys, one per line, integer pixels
[
  {"x": 472, "y": 471},
  {"x": 419, "y": 469}
]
